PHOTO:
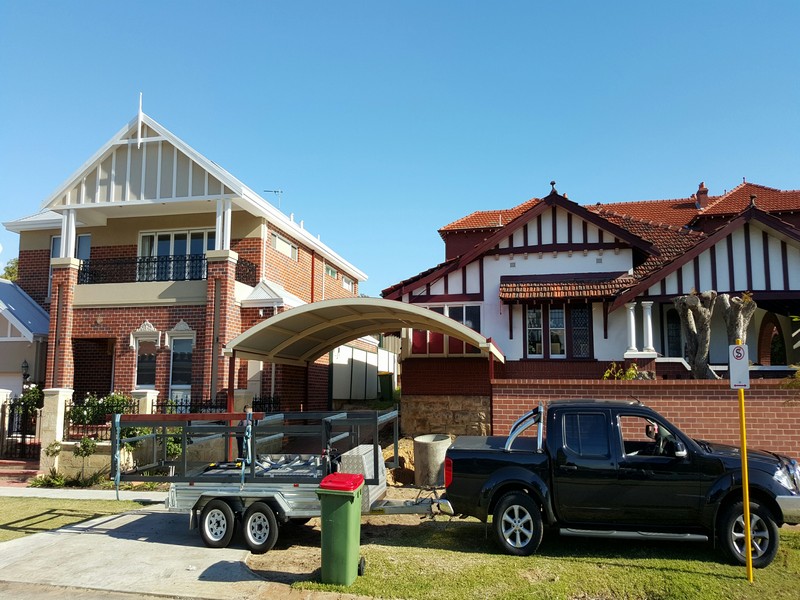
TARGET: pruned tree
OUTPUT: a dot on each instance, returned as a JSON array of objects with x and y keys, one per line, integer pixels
[
  {"x": 737, "y": 312},
  {"x": 695, "y": 311}
]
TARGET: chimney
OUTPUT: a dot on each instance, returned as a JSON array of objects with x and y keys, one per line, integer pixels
[{"x": 702, "y": 196}]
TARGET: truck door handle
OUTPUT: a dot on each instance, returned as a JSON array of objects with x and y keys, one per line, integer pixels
[{"x": 569, "y": 468}]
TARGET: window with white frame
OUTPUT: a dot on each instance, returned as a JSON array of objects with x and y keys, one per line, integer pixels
[
  {"x": 283, "y": 246},
  {"x": 174, "y": 255},
  {"x": 348, "y": 283},
  {"x": 331, "y": 272},
  {"x": 145, "y": 341},
  {"x": 535, "y": 331},
  {"x": 181, "y": 341}
]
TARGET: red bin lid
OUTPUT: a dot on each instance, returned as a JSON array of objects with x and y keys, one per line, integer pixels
[{"x": 342, "y": 482}]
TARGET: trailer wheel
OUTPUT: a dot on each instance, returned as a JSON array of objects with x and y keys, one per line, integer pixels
[
  {"x": 260, "y": 528},
  {"x": 517, "y": 523},
  {"x": 217, "y": 524}
]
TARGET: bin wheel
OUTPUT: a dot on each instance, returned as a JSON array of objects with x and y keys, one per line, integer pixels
[
  {"x": 217, "y": 524},
  {"x": 362, "y": 566},
  {"x": 260, "y": 528}
]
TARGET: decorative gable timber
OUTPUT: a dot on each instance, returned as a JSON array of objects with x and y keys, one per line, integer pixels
[
  {"x": 551, "y": 204},
  {"x": 753, "y": 251},
  {"x": 146, "y": 166}
]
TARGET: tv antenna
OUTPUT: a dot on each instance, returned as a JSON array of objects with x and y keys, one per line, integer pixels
[{"x": 277, "y": 195}]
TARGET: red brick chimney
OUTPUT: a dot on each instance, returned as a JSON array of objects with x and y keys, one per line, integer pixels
[{"x": 702, "y": 196}]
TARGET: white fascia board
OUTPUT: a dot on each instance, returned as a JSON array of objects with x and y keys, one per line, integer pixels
[
  {"x": 18, "y": 325},
  {"x": 47, "y": 220}
]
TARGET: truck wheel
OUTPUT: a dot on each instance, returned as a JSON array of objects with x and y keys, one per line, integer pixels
[
  {"x": 260, "y": 528},
  {"x": 763, "y": 529},
  {"x": 517, "y": 523},
  {"x": 217, "y": 524}
]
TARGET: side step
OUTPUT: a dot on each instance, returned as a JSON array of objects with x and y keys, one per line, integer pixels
[{"x": 634, "y": 535}]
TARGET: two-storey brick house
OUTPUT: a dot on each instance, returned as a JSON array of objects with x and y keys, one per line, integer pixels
[{"x": 151, "y": 257}]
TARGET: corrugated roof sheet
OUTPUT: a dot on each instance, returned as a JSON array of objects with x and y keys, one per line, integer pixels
[{"x": 22, "y": 310}]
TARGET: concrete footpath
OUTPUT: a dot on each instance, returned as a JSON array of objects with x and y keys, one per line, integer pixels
[{"x": 147, "y": 552}]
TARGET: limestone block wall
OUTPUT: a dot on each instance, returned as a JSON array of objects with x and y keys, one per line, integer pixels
[{"x": 451, "y": 414}]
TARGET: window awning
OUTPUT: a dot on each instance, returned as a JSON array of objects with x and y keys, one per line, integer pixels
[
  {"x": 583, "y": 286},
  {"x": 301, "y": 335}
]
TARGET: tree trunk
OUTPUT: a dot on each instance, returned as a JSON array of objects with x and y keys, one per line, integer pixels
[
  {"x": 695, "y": 311},
  {"x": 737, "y": 313}
]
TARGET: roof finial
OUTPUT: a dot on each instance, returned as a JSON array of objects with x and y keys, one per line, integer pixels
[
  {"x": 139, "y": 124},
  {"x": 753, "y": 200},
  {"x": 553, "y": 184}
]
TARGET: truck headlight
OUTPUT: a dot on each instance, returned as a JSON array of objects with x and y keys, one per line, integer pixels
[
  {"x": 794, "y": 469},
  {"x": 783, "y": 477}
]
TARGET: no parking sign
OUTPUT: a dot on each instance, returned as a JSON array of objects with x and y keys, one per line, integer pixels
[{"x": 739, "y": 367}]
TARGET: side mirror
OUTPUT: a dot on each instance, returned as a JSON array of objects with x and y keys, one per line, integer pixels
[{"x": 680, "y": 449}]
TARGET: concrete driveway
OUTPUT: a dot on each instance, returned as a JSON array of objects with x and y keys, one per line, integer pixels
[{"x": 147, "y": 552}]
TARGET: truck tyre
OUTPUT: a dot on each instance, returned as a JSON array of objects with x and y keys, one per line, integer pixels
[
  {"x": 764, "y": 532},
  {"x": 217, "y": 524},
  {"x": 260, "y": 528},
  {"x": 517, "y": 522}
]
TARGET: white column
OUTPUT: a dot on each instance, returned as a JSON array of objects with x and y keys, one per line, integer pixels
[
  {"x": 647, "y": 308},
  {"x": 226, "y": 222},
  {"x": 219, "y": 228},
  {"x": 67, "y": 247},
  {"x": 631, "y": 306}
]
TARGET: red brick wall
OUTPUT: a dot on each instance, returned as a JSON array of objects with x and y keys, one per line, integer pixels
[
  {"x": 118, "y": 323},
  {"x": 702, "y": 409},
  {"x": 446, "y": 376},
  {"x": 60, "y": 360},
  {"x": 34, "y": 273}
]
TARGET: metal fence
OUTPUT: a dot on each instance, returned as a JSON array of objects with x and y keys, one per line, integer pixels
[
  {"x": 181, "y": 405},
  {"x": 20, "y": 429},
  {"x": 87, "y": 417},
  {"x": 266, "y": 404},
  {"x": 157, "y": 268}
]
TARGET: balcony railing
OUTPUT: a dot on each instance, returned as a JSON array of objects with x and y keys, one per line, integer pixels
[{"x": 159, "y": 268}]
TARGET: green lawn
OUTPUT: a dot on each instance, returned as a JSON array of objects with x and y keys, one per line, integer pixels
[
  {"x": 24, "y": 516},
  {"x": 454, "y": 560}
]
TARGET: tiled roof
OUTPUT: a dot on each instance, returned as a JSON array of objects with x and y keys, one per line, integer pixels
[
  {"x": 678, "y": 212},
  {"x": 571, "y": 285},
  {"x": 490, "y": 219},
  {"x": 767, "y": 199},
  {"x": 684, "y": 211}
]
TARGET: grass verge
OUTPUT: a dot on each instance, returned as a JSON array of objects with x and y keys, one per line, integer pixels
[
  {"x": 455, "y": 560},
  {"x": 24, "y": 516}
]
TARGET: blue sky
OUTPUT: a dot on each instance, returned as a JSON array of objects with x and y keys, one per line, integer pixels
[{"x": 384, "y": 121}]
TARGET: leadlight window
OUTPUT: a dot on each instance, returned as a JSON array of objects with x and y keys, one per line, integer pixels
[
  {"x": 581, "y": 339},
  {"x": 558, "y": 333}
]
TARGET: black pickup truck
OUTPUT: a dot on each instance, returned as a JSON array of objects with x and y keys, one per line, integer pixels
[{"x": 619, "y": 469}]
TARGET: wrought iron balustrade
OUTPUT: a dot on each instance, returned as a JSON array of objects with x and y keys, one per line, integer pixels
[
  {"x": 157, "y": 268},
  {"x": 143, "y": 268}
]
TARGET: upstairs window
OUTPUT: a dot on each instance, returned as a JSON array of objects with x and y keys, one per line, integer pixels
[
  {"x": 331, "y": 272},
  {"x": 348, "y": 283},
  {"x": 283, "y": 246}
]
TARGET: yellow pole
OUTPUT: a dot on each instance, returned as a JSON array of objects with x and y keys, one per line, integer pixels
[{"x": 745, "y": 484}]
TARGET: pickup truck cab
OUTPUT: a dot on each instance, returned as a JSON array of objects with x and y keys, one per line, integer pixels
[{"x": 618, "y": 469}]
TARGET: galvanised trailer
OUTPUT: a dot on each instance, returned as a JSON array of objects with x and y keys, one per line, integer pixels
[{"x": 257, "y": 471}]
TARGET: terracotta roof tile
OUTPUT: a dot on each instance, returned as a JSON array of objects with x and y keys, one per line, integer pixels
[
  {"x": 490, "y": 219},
  {"x": 767, "y": 199}
]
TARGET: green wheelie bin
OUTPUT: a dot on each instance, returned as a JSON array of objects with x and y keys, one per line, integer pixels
[{"x": 340, "y": 498}]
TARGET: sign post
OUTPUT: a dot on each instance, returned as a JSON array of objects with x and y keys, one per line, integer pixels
[{"x": 739, "y": 373}]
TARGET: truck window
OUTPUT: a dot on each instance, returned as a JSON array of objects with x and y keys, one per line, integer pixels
[
  {"x": 586, "y": 434},
  {"x": 645, "y": 437}
]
